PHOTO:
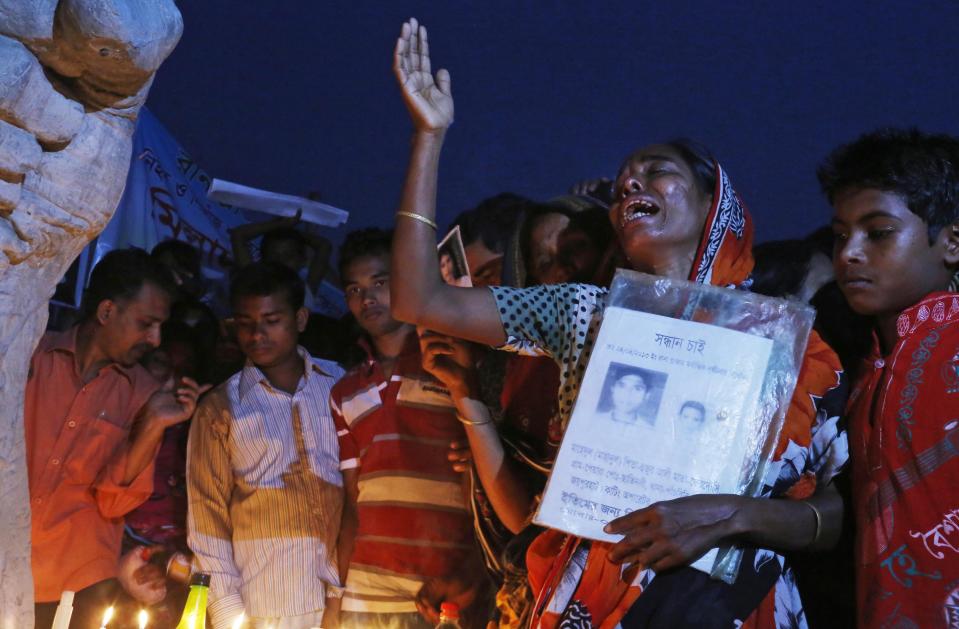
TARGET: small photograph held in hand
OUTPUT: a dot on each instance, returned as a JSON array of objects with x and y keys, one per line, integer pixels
[{"x": 453, "y": 265}]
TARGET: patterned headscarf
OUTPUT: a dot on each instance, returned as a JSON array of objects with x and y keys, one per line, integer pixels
[{"x": 724, "y": 256}]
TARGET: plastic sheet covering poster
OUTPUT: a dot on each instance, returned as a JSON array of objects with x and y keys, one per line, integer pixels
[{"x": 669, "y": 406}]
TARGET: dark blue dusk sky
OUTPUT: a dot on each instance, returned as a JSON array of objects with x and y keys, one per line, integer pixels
[{"x": 298, "y": 95}]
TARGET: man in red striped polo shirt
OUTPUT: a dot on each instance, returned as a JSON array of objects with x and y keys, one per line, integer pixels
[{"x": 395, "y": 423}]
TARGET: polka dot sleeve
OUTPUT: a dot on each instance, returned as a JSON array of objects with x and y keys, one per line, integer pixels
[{"x": 560, "y": 321}]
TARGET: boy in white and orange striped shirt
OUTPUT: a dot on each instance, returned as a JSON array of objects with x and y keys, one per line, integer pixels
[{"x": 263, "y": 479}]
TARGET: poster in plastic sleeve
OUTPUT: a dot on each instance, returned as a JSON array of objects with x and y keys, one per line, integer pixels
[{"x": 675, "y": 401}]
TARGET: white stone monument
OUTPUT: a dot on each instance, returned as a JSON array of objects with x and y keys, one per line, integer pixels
[{"x": 73, "y": 75}]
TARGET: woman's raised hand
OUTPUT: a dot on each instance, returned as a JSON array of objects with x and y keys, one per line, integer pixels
[{"x": 429, "y": 102}]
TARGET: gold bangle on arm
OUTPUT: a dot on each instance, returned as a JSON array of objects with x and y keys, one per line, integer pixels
[
  {"x": 420, "y": 218},
  {"x": 470, "y": 422},
  {"x": 818, "y": 515}
]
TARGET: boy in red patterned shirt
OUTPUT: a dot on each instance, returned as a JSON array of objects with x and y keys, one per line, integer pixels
[
  {"x": 896, "y": 222},
  {"x": 395, "y": 423}
]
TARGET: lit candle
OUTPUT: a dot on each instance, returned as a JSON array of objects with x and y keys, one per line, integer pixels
[
  {"x": 238, "y": 623},
  {"x": 107, "y": 616},
  {"x": 142, "y": 618}
]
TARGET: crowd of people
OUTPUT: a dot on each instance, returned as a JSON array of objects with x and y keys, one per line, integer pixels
[{"x": 365, "y": 472}]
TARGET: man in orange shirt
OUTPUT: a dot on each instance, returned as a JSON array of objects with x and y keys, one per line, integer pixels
[{"x": 94, "y": 420}]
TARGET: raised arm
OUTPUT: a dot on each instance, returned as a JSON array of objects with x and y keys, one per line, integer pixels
[
  {"x": 241, "y": 235},
  {"x": 418, "y": 294},
  {"x": 319, "y": 261}
]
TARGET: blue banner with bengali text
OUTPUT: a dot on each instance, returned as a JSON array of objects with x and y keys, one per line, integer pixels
[{"x": 166, "y": 197}]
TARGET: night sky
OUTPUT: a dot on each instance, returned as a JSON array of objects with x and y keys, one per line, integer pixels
[{"x": 298, "y": 96}]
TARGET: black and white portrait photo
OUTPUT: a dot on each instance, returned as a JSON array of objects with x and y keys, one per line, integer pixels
[{"x": 631, "y": 395}]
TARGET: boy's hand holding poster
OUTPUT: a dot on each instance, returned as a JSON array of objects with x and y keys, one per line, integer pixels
[{"x": 684, "y": 394}]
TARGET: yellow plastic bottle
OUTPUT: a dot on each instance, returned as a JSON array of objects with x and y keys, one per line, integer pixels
[{"x": 194, "y": 612}]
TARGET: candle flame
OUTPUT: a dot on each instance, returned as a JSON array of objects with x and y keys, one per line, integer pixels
[
  {"x": 142, "y": 618},
  {"x": 107, "y": 616},
  {"x": 238, "y": 623}
]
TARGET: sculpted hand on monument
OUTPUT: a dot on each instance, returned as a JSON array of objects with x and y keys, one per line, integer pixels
[
  {"x": 73, "y": 75},
  {"x": 41, "y": 117},
  {"x": 429, "y": 102},
  {"x": 72, "y": 79}
]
